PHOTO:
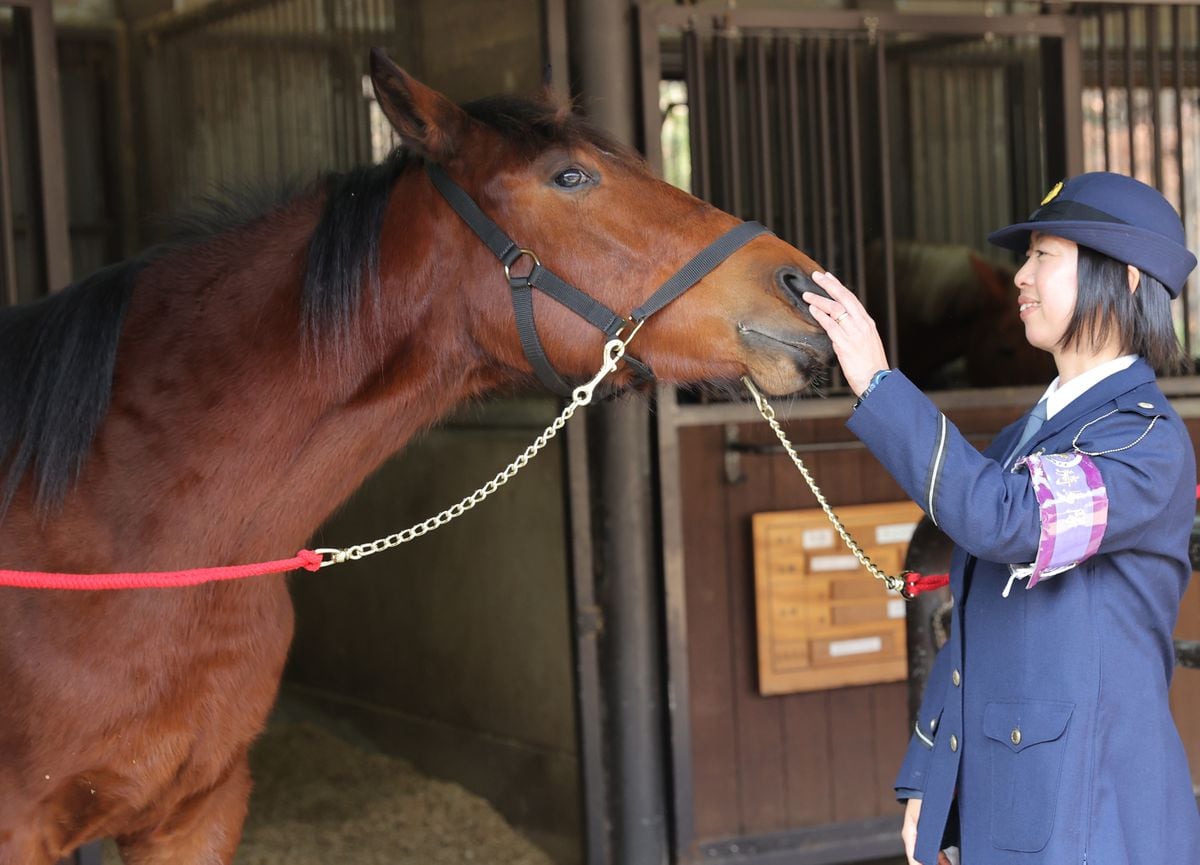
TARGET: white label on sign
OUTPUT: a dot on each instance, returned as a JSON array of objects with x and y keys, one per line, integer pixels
[
  {"x": 863, "y": 646},
  {"x": 817, "y": 539},
  {"x": 896, "y": 609},
  {"x": 820, "y": 564},
  {"x": 896, "y": 533}
]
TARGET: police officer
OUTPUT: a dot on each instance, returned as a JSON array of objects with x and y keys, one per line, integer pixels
[{"x": 1045, "y": 734}]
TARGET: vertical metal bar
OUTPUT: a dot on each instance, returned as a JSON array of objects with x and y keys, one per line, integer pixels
[
  {"x": 7, "y": 246},
  {"x": 1127, "y": 14},
  {"x": 756, "y": 74},
  {"x": 951, "y": 204},
  {"x": 827, "y": 252},
  {"x": 977, "y": 99},
  {"x": 52, "y": 180},
  {"x": 128, "y": 69},
  {"x": 893, "y": 345},
  {"x": 698, "y": 126},
  {"x": 787, "y": 218},
  {"x": 796, "y": 160},
  {"x": 1177, "y": 80},
  {"x": 671, "y": 510},
  {"x": 840, "y": 154},
  {"x": 995, "y": 182},
  {"x": 1072, "y": 84},
  {"x": 762, "y": 124},
  {"x": 856, "y": 169},
  {"x": 728, "y": 121},
  {"x": 914, "y": 82},
  {"x": 1155, "y": 90},
  {"x": 585, "y": 623},
  {"x": 651, "y": 76},
  {"x": 812, "y": 95},
  {"x": 1102, "y": 38}
]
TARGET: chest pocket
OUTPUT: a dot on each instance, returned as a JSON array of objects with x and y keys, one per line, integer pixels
[{"x": 1026, "y": 746}]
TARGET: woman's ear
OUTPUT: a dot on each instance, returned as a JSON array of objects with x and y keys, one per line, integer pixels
[{"x": 1135, "y": 278}]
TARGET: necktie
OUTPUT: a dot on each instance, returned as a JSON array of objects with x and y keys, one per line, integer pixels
[{"x": 1037, "y": 417}]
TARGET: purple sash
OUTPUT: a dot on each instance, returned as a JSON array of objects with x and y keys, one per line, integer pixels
[{"x": 1073, "y": 508}]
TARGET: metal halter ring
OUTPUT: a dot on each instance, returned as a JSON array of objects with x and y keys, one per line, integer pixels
[{"x": 522, "y": 253}]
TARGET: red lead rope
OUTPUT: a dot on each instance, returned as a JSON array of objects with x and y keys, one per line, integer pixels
[
  {"x": 306, "y": 559},
  {"x": 914, "y": 583}
]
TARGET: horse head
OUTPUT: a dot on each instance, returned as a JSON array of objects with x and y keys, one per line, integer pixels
[{"x": 591, "y": 212}]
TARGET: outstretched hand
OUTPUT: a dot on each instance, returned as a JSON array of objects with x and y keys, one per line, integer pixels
[{"x": 855, "y": 340}]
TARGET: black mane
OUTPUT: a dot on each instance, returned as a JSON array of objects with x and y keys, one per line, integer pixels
[{"x": 58, "y": 354}]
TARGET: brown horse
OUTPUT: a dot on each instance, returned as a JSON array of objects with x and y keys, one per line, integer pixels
[{"x": 213, "y": 401}]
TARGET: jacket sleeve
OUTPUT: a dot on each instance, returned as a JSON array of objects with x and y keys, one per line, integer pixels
[
  {"x": 988, "y": 511},
  {"x": 911, "y": 777},
  {"x": 993, "y": 513}
]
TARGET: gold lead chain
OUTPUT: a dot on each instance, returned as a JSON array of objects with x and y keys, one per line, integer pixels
[{"x": 896, "y": 584}]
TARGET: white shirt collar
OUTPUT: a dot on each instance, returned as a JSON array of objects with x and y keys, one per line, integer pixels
[{"x": 1059, "y": 397}]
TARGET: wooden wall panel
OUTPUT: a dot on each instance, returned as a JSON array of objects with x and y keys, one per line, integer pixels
[
  {"x": 807, "y": 760},
  {"x": 710, "y": 653},
  {"x": 760, "y": 740}
]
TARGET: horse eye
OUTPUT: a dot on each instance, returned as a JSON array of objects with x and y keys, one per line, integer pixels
[{"x": 571, "y": 177}]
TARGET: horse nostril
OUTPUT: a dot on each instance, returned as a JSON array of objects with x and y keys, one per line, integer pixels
[{"x": 793, "y": 282}]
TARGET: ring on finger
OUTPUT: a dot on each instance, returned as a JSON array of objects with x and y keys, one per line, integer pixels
[{"x": 838, "y": 320}]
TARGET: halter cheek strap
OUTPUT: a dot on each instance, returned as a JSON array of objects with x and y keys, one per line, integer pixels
[{"x": 549, "y": 283}]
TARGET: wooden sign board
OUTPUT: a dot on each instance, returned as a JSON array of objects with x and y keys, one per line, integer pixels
[{"x": 823, "y": 620}]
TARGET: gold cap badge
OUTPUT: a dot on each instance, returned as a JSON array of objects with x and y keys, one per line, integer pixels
[{"x": 1053, "y": 193}]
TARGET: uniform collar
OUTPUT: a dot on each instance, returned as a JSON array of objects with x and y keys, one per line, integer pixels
[
  {"x": 1059, "y": 396},
  {"x": 1104, "y": 391}
]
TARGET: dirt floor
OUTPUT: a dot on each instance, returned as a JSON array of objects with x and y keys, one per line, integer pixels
[{"x": 321, "y": 800}]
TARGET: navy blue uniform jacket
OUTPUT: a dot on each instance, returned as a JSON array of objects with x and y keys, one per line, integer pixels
[{"x": 1046, "y": 713}]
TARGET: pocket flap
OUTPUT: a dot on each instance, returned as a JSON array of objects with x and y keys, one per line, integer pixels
[{"x": 1021, "y": 723}]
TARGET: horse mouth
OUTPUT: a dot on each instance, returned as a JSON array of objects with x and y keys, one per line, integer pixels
[{"x": 792, "y": 360}]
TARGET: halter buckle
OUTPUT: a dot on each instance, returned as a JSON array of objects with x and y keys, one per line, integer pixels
[
  {"x": 630, "y": 322},
  {"x": 522, "y": 253}
]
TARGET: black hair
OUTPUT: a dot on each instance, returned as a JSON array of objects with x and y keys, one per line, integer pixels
[
  {"x": 58, "y": 355},
  {"x": 1141, "y": 320}
]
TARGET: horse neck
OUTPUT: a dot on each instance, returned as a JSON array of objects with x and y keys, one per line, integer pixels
[{"x": 223, "y": 418}]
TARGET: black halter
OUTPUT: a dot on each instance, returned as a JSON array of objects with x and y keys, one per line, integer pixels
[{"x": 550, "y": 284}]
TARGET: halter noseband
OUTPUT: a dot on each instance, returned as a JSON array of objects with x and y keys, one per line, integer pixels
[{"x": 549, "y": 283}]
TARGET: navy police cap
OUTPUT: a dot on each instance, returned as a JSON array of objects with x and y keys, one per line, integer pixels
[{"x": 1116, "y": 215}]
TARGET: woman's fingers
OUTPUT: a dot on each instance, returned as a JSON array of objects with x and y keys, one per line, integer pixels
[
  {"x": 851, "y": 331},
  {"x": 838, "y": 292}
]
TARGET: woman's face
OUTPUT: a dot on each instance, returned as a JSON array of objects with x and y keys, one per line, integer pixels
[{"x": 1047, "y": 287}]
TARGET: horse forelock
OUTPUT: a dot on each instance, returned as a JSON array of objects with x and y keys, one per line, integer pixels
[{"x": 532, "y": 126}]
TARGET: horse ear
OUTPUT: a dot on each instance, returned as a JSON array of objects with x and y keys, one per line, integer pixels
[
  {"x": 992, "y": 278},
  {"x": 427, "y": 122}
]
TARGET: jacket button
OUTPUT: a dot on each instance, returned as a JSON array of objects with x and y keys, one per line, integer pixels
[
  {"x": 1016, "y": 736},
  {"x": 1145, "y": 405},
  {"x": 954, "y": 743},
  {"x": 933, "y": 725},
  {"x": 956, "y": 678}
]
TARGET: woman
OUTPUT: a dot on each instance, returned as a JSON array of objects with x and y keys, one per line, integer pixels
[{"x": 1045, "y": 734}]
